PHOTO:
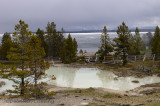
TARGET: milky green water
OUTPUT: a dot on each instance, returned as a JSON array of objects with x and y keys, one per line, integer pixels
[{"x": 93, "y": 77}]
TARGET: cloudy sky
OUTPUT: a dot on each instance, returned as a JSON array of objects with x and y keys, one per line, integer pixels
[{"x": 79, "y": 14}]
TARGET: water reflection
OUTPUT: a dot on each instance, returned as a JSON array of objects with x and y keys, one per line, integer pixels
[
  {"x": 64, "y": 76},
  {"x": 92, "y": 77},
  {"x": 87, "y": 77}
]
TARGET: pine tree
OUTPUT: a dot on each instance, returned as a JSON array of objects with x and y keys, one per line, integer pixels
[
  {"x": 18, "y": 54},
  {"x": 147, "y": 39},
  {"x": 106, "y": 45},
  {"x": 41, "y": 36},
  {"x": 155, "y": 47},
  {"x": 123, "y": 41},
  {"x": 69, "y": 50},
  {"x": 54, "y": 40},
  {"x": 60, "y": 40},
  {"x": 36, "y": 54},
  {"x": 63, "y": 52},
  {"x": 5, "y": 46},
  {"x": 37, "y": 65},
  {"x": 137, "y": 44},
  {"x": 75, "y": 45},
  {"x": 51, "y": 34},
  {"x": 81, "y": 52}
]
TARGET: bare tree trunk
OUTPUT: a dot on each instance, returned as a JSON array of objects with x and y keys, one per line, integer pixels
[
  {"x": 22, "y": 80},
  {"x": 124, "y": 57}
]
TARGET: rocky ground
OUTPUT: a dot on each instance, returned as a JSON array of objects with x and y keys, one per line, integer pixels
[
  {"x": 144, "y": 95},
  {"x": 147, "y": 95}
]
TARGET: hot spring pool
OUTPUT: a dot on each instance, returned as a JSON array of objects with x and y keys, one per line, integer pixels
[
  {"x": 93, "y": 77},
  {"x": 87, "y": 77}
]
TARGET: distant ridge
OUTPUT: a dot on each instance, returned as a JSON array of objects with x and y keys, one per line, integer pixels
[
  {"x": 150, "y": 29},
  {"x": 114, "y": 30}
]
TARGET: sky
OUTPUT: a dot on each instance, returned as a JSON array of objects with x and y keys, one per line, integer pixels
[{"x": 79, "y": 14}]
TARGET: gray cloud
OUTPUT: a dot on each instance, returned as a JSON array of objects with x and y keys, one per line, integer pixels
[{"x": 79, "y": 14}]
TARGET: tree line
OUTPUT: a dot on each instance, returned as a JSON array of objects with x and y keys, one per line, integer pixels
[
  {"x": 128, "y": 44},
  {"x": 55, "y": 45},
  {"x": 53, "y": 42},
  {"x": 27, "y": 51}
]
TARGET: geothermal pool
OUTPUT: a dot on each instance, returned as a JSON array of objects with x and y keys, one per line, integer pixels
[
  {"x": 87, "y": 77},
  {"x": 93, "y": 77}
]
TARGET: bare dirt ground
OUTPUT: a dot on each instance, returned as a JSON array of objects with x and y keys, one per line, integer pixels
[
  {"x": 143, "y": 95},
  {"x": 148, "y": 95}
]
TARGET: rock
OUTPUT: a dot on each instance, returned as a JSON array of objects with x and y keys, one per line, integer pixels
[
  {"x": 84, "y": 104},
  {"x": 158, "y": 75},
  {"x": 51, "y": 97},
  {"x": 2, "y": 83},
  {"x": 66, "y": 95},
  {"x": 126, "y": 105},
  {"x": 125, "y": 95},
  {"x": 32, "y": 98},
  {"x": 61, "y": 104},
  {"x": 139, "y": 104},
  {"x": 147, "y": 70},
  {"x": 149, "y": 100},
  {"x": 119, "y": 97},
  {"x": 116, "y": 78},
  {"x": 135, "y": 81},
  {"x": 78, "y": 91},
  {"x": 148, "y": 92}
]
